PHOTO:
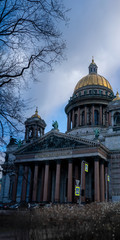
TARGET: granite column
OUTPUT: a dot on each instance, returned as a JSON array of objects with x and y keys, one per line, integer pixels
[
  {"x": 46, "y": 180},
  {"x": 96, "y": 181},
  {"x": 102, "y": 182},
  {"x": 69, "y": 194},
  {"x": 35, "y": 181},
  {"x": 57, "y": 183}
]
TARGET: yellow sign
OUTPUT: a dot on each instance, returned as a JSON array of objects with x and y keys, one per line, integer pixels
[
  {"x": 108, "y": 178},
  {"x": 77, "y": 191},
  {"x": 86, "y": 167}
]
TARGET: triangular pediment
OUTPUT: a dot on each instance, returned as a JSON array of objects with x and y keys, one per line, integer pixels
[{"x": 55, "y": 141}]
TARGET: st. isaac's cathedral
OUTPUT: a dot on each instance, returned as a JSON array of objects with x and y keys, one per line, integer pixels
[{"x": 48, "y": 167}]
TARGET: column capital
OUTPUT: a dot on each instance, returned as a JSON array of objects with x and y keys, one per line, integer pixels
[
  {"x": 58, "y": 161},
  {"x": 70, "y": 160},
  {"x": 47, "y": 162},
  {"x": 96, "y": 159},
  {"x": 102, "y": 161}
]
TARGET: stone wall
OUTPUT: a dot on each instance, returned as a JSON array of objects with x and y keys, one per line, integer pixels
[
  {"x": 114, "y": 167},
  {"x": 112, "y": 142}
]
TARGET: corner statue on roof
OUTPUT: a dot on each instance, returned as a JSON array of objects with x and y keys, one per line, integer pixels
[
  {"x": 97, "y": 132},
  {"x": 55, "y": 125}
]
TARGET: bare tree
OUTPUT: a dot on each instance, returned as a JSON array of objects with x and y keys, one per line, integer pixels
[
  {"x": 11, "y": 112},
  {"x": 29, "y": 40}
]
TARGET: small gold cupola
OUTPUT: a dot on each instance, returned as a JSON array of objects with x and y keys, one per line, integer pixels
[
  {"x": 34, "y": 127},
  {"x": 36, "y": 113},
  {"x": 117, "y": 97}
]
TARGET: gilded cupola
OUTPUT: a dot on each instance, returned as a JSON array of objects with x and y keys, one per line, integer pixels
[
  {"x": 34, "y": 126},
  {"x": 93, "y": 79},
  {"x": 117, "y": 97}
]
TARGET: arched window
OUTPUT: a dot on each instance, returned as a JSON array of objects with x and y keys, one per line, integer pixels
[
  {"x": 96, "y": 115},
  {"x": 117, "y": 118},
  {"x": 31, "y": 132},
  {"x": 83, "y": 118},
  {"x": 39, "y": 132}
]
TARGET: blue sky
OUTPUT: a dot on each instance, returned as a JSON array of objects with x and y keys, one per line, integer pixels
[{"x": 93, "y": 30}]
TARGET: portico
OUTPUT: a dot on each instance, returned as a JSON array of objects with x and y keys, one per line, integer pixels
[{"x": 53, "y": 171}]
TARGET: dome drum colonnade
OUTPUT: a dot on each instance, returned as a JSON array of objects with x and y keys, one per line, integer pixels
[{"x": 88, "y": 115}]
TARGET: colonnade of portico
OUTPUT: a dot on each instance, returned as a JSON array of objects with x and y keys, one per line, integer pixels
[{"x": 43, "y": 180}]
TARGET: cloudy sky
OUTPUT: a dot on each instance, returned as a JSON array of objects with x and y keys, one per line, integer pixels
[{"x": 94, "y": 30}]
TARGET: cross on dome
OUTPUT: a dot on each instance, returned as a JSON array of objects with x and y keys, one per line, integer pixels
[
  {"x": 36, "y": 113},
  {"x": 92, "y": 59}
]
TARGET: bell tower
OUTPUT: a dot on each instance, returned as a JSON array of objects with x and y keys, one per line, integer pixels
[{"x": 34, "y": 127}]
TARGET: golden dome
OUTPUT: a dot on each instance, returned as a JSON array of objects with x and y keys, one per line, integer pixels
[
  {"x": 36, "y": 114},
  {"x": 117, "y": 97},
  {"x": 92, "y": 79}
]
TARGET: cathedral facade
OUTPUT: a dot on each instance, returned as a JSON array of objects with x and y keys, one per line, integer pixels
[{"x": 48, "y": 167}]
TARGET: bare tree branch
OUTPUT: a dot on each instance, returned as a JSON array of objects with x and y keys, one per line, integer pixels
[{"x": 30, "y": 41}]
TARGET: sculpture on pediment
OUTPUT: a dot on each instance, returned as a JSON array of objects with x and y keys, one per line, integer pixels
[
  {"x": 53, "y": 142},
  {"x": 97, "y": 133},
  {"x": 55, "y": 125}
]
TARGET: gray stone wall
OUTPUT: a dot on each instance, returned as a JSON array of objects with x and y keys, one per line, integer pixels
[
  {"x": 115, "y": 178},
  {"x": 112, "y": 141}
]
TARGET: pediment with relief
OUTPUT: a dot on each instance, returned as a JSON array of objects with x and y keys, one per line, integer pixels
[{"x": 53, "y": 142}]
